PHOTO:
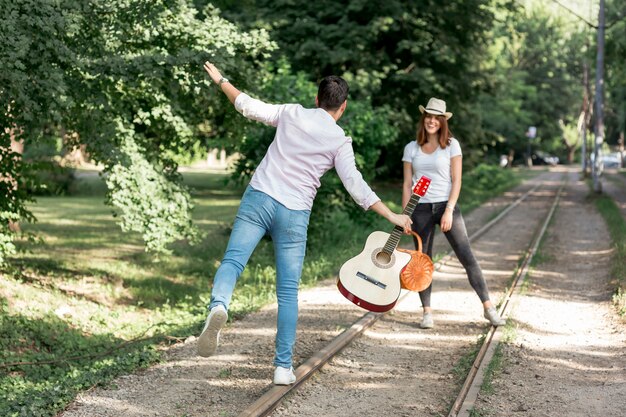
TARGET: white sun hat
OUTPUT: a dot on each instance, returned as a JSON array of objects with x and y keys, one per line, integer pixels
[{"x": 436, "y": 106}]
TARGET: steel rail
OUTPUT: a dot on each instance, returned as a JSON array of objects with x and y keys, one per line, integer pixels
[
  {"x": 272, "y": 398},
  {"x": 468, "y": 394},
  {"x": 488, "y": 225}
]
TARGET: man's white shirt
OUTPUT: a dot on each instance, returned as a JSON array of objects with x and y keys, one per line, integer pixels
[{"x": 308, "y": 142}]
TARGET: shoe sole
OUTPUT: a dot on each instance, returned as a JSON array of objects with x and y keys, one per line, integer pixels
[{"x": 208, "y": 340}]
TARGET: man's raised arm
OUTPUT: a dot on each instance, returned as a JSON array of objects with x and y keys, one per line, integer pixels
[
  {"x": 250, "y": 107},
  {"x": 228, "y": 89}
]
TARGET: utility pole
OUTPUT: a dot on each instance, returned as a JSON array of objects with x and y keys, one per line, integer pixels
[
  {"x": 529, "y": 159},
  {"x": 599, "y": 125},
  {"x": 620, "y": 149},
  {"x": 583, "y": 129}
]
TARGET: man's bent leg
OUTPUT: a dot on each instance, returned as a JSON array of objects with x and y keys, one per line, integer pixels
[
  {"x": 244, "y": 238},
  {"x": 251, "y": 224}
]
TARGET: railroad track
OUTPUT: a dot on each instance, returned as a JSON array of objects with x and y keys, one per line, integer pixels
[{"x": 272, "y": 398}]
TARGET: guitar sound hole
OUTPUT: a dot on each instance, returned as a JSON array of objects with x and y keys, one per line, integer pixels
[{"x": 383, "y": 258}]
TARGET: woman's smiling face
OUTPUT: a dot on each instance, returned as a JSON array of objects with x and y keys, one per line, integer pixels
[{"x": 432, "y": 124}]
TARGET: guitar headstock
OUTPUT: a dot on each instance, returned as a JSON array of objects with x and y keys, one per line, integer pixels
[{"x": 422, "y": 186}]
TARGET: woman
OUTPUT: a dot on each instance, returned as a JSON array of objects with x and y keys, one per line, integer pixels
[{"x": 437, "y": 155}]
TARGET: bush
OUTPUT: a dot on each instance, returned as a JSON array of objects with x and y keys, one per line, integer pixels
[
  {"x": 48, "y": 176},
  {"x": 485, "y": 180},
  {"x": 52, "y": 179}
]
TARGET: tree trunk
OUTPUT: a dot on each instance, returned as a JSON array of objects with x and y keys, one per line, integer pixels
[
  {"x": 510, "y": 158},
  {"x": 570, "y": 155},
  {"x": 75, "y": 152},
  {"x": 17, "y": 147}
]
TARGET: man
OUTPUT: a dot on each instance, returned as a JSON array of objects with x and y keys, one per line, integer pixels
[{"x": 278, "y": 200}]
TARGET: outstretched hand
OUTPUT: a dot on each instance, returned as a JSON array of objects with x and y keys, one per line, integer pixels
[
  {"x": 213, "y": 72},
  {"x": 401, "y": 220},
  {"x": 227, "y": 88}
]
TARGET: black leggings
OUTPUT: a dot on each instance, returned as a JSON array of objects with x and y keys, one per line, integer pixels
[{"x": 425, "y": 217}]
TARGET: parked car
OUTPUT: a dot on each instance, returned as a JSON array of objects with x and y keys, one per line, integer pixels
[
  {"x": 608, "y": 160},
  {"x": 538, "y": 158},
  {"x": 611, "y": 160},
  {"x": 544, "y": 158}
]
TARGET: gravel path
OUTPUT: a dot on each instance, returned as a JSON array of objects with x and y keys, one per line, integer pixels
[
  {"x": 397, "y": 367},
  {"x": 569, "y": 354}
]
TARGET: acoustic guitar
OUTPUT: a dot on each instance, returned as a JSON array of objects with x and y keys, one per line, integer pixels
[{"x": 371, "y": 279}]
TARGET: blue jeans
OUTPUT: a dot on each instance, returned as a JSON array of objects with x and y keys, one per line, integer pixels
[
  {"x": 425, "y": 217},
  {"x": 258, "y": 215}
]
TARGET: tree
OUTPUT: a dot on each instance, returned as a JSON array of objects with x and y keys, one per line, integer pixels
[
  {"x": 535, "y": 59},
  {"x": 125, "y": 78},
  {"x": 33, "y": 57},
  {"x": 397, "y": 53},
  {"x": 615, "y": 74}
]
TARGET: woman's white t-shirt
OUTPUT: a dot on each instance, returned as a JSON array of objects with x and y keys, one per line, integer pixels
[{"x": 435, "y": 166}]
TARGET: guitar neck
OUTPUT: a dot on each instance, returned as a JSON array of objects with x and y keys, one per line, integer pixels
[
  {"x": 396, "y": 234},
  {"x": 410, "y": 206}
]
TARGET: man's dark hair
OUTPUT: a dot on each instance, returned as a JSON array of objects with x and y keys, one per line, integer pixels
[{"x": 332, "y": 92}]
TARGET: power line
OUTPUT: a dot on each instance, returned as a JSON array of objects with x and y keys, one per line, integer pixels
[
  {"x": 606, "y": 26},
  {"x": 617, "y": 20},
  {"x": 575, "y": 14}
]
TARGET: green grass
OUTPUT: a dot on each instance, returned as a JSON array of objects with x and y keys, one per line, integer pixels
[
  {"x": 463, "y": 366},
  {"x": 89, "y": 304},
  {"x": 494, "y": 369},
  {"x": 617, "y": 230},
  {"x": 497, "y": 363},
  {"x": 93, "y": 302}
]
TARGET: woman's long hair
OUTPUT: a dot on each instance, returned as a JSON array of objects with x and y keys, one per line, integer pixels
[{"x": 444, "y": 131}]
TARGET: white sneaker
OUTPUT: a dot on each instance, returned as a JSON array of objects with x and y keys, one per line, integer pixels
[
  {"x": 210, "y": 336},
  {"x": 284, "y": 376},
  {"x": 492, "y": 315},
  {"x": 427, "y": 321}
]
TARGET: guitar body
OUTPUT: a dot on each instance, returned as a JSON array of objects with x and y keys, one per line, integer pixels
[{"x": 371, "y": 279}]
